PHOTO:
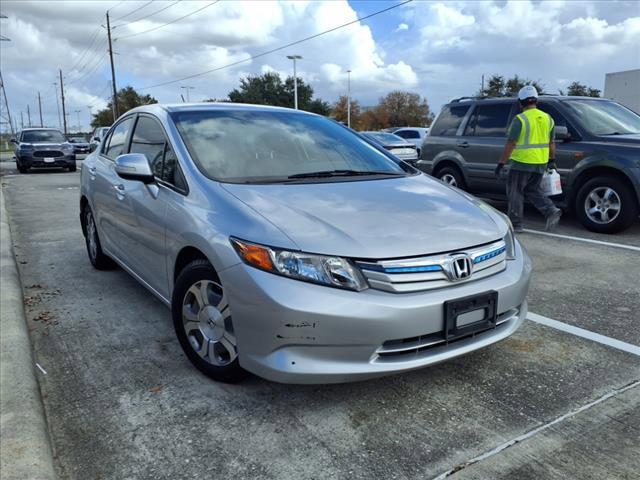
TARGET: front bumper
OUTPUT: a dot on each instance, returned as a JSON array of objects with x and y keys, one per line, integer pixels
[
  {"x": 29, "y": 161},
  {"x": 295, "y": 332}
]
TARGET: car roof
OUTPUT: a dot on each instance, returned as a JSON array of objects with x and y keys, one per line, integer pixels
[
  {"x": 39, "y": 129},
  {"x": 214, "y": 106},
  {"x": 560, "y": 98}
]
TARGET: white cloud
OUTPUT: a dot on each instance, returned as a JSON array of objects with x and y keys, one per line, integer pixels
[{"x": 401, "y": 27}]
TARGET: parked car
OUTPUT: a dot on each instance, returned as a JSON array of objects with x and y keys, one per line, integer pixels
[
  {"x": 288, "y": 246},
  {"x": 398, "y": 146},
  {"x": 43, "y": 147},
  {"x": 597, "y": 153},
  {"x": 414, "y": 135},
  {"x": 80, "y": 144},
  {"x": 97, "y": 136}
]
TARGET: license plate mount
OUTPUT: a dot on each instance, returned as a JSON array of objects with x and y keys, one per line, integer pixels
[
  {"x": 467, "y": 315},
  {"x": 49, "y": 159}
]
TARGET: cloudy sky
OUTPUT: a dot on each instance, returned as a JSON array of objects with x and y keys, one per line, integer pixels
[{"x": 438, "y": 49}]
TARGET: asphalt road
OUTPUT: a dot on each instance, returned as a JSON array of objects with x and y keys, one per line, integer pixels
[{"x": 122, "y": 400}]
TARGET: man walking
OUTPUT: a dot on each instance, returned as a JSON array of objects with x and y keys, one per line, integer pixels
[{"x": 531, "y": 148}]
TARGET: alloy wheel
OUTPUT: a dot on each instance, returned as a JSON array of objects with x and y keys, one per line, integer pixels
[
  {"x": 602, "y": 205},
  {"x": 206, "y": 318},
  {"x": 92, "y": 236},
  {"x": 449, "y": 179}
]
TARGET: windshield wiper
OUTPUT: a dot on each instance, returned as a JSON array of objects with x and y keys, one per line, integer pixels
[{"x": 340, "y": 173}]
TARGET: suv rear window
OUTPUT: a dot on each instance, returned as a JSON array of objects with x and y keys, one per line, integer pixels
[
  {"x": 449, "y": 120},
  {"x": 489, "y": 120}
]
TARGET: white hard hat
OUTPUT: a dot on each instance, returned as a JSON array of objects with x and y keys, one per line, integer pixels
[{"x": 528, "y": 91}]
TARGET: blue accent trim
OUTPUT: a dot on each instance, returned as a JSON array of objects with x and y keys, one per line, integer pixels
[
  {"x": 424, "y": 268},
  {"x": 488, "y": 255}
]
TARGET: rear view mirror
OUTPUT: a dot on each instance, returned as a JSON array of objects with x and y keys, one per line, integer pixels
[
  {"x": 13, "y": 140},
  {"x": 134, "y": 166},
  {"x": 562, "y": 133},
  {"x": 96, "y": 139}
]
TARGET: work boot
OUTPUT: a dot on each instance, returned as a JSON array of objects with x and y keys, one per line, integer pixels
[{"x": 552, "y": 220}]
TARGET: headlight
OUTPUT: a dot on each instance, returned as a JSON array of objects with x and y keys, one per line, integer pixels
[
  {"x": 324, "y": 270},
  {"x": 510, "y": 242},
  {"x": 67, "y": 148},
  {"x": 26, "y": 146}
]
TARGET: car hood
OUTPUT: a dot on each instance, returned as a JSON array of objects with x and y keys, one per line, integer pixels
[
  {"x": 383, "y": 218},
  {"x": 49, "y": 144}
]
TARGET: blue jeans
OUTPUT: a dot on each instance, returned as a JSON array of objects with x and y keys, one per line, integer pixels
[{"x": 521, "y": 185}]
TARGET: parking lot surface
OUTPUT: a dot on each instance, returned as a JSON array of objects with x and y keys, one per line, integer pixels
[{"x": 122, "y": 401}]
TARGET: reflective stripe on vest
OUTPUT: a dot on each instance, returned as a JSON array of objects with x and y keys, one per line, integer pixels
[{"x": 533, "y": 143}]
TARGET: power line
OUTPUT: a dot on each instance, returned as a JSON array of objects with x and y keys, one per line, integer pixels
[
  {"x": 79, "y": 71},
  {"x": 168, "y": 23},
  {"x": 253, "y": 57},
  {"x": 146, "y": 16},
  {"x": 91, "y": 70},
  {"x": 132, "y": 11},
  {"x": 84, "y": 53}
]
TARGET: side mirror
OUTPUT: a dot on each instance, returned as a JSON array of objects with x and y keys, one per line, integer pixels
[
  {"x": 13, "y": 140},
  {"x": 71, "y": 140},
  {"x": 96, "y": 139},
  {"x": 134, "y": 166},
  {"x": 562, "y": 133}
]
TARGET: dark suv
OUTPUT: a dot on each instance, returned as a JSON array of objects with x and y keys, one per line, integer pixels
[
  {"x": 43, "y": 147},
  {"x": 598, "y": 153}
]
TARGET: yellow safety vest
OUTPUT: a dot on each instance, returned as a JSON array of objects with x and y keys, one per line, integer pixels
[{"x": 533, "y": 143}]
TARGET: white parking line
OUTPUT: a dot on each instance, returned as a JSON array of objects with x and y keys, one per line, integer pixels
[
  {"x": 581, "y": 332},
  {"x": 585, "y": 240}
]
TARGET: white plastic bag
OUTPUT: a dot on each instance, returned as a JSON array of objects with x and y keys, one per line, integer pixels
[{"x": 551, "y": 184}]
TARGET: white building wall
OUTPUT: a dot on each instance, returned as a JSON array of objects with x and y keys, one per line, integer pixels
[{"x": 624, "y": 88}]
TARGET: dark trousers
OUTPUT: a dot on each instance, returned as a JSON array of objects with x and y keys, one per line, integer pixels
[{"x": 526, "y": 184}]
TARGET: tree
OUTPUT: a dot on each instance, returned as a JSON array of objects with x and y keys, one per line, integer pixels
[
  {"x": 339, "y": 111},
  {"x": 269, "y": 89},
  {"x": 128, "y": 98},
  {"x": 577, "y": 89},
  {"x": 497, "y": 86},
  {"x": 400, "y": 109}
]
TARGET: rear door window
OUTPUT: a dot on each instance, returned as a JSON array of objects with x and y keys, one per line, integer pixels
[
  {"x": 449, "y": 120},
  {"x": 489, "y": 120}
]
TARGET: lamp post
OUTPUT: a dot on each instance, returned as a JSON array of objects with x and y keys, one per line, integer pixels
[
  {"x": 187, "y": 88},
  {"x": 78, "y": 117},
  {"x": 349, "y": 98},
  {"x": 295, "y": 79},
  {"x": 90, "y": 107}
]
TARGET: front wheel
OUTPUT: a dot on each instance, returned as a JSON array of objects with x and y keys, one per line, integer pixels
[
  {"x": 203, "y": 323},
  {"x": 451, "y": 176},
  {"x": 23, "y": 169},
  {"x": 606, "y": 204}
]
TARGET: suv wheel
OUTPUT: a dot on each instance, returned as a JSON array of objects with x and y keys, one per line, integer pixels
[
  {"x": 451, "y": 176},
  {"x": 23, "y": 169},
  {"x": 72, "y": 168},
  {"x": 606, "y": 204},
  {"x": 203, "y": 323},
  {"x": 96, "y": 256}
]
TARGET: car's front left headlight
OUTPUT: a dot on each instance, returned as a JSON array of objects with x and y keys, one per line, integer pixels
[
  {"x": 321, "y": 269},
  {"x": 67, "y": 149}
]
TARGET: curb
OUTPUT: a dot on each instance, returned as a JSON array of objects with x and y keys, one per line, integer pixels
[{"x": 24, "y": 440}]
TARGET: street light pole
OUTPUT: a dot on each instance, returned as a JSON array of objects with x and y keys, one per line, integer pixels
[
  {"x": 90, "y": 115},
  {"x": 295, "y": 79},
  {"x": 187, "y": 88},
  {"x": 78, "y": 116},
  {"x": 349, "y": 98},
  {"x": 55, "y": 84}
]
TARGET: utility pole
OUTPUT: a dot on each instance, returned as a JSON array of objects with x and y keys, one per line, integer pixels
[
  {"x": 349, "y": 98},
  {"x": 295, "y": 79},
  {"x": 90, "y": 115},
  {"x": 114, "y": 101},
  {"x": 28, "y": 116},
  {"x": 55, "y": 90},
  {"x": 40, "y": 109},
  {"x": 78, "y": 116},
  {"x": 187, "y": 89},
  {"x": 64, "y": 113},
  {"x": 21, "y": 121},
  {"x": 482, "y": 86},
  {"x": 6, "y": 104}
]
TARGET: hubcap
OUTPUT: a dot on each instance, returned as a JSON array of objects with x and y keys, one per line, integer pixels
[
  {"x": 206, "y": 318},
  {"x": 602, "y": 205},
  {"x": 92, "y": 236},
  {"x": 450, "y": 179}
]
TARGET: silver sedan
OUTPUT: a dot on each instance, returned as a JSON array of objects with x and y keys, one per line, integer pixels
[{"x": 288, "y": 246}]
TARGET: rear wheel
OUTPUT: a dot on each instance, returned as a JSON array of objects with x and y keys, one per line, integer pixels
[
  {"x": 606, "y": 204},
  {"x": 96, "y": 256},
  {"x": 203, "y": 323},
  {"x": 451, "y": 176}
]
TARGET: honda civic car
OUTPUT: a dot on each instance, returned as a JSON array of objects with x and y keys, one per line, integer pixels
[
  {"x": 288, "y": 246},
  {"x": 43, "y": 147}
]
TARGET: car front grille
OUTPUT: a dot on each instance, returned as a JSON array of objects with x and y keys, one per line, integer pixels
[
  {"x": 48, "y": 154},
  {"x": 431, "y": 272},
  {"x": 408, "y": 348}
]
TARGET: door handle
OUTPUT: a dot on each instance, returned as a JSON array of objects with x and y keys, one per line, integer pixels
[
  {"x": 92, "y": 173},
  {"x": 119, "y": 188},
  {"x": 463, "y": 144}
]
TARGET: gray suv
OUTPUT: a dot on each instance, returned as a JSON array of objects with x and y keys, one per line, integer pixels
[
  {"x": 288, "y": 246},
  {"x": 598, "y": 153}
]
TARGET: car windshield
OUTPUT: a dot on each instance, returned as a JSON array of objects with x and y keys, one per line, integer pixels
[
  {"x": 385, "y": 138},
  {"x": 271, "y": 146},
  {"x": 605, "y": 118},
  {"x": 41, "y": 136}
]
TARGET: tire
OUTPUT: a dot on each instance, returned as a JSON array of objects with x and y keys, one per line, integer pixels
[
  {"x": 203, "y": 324},
  {"x": 97, "y": 257},
  {"x": 72, "y": 168},
  {"x": 606, "y": 204},
  {"x": 451, "y": 176},
  {"x": 23, "y": 169}
]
